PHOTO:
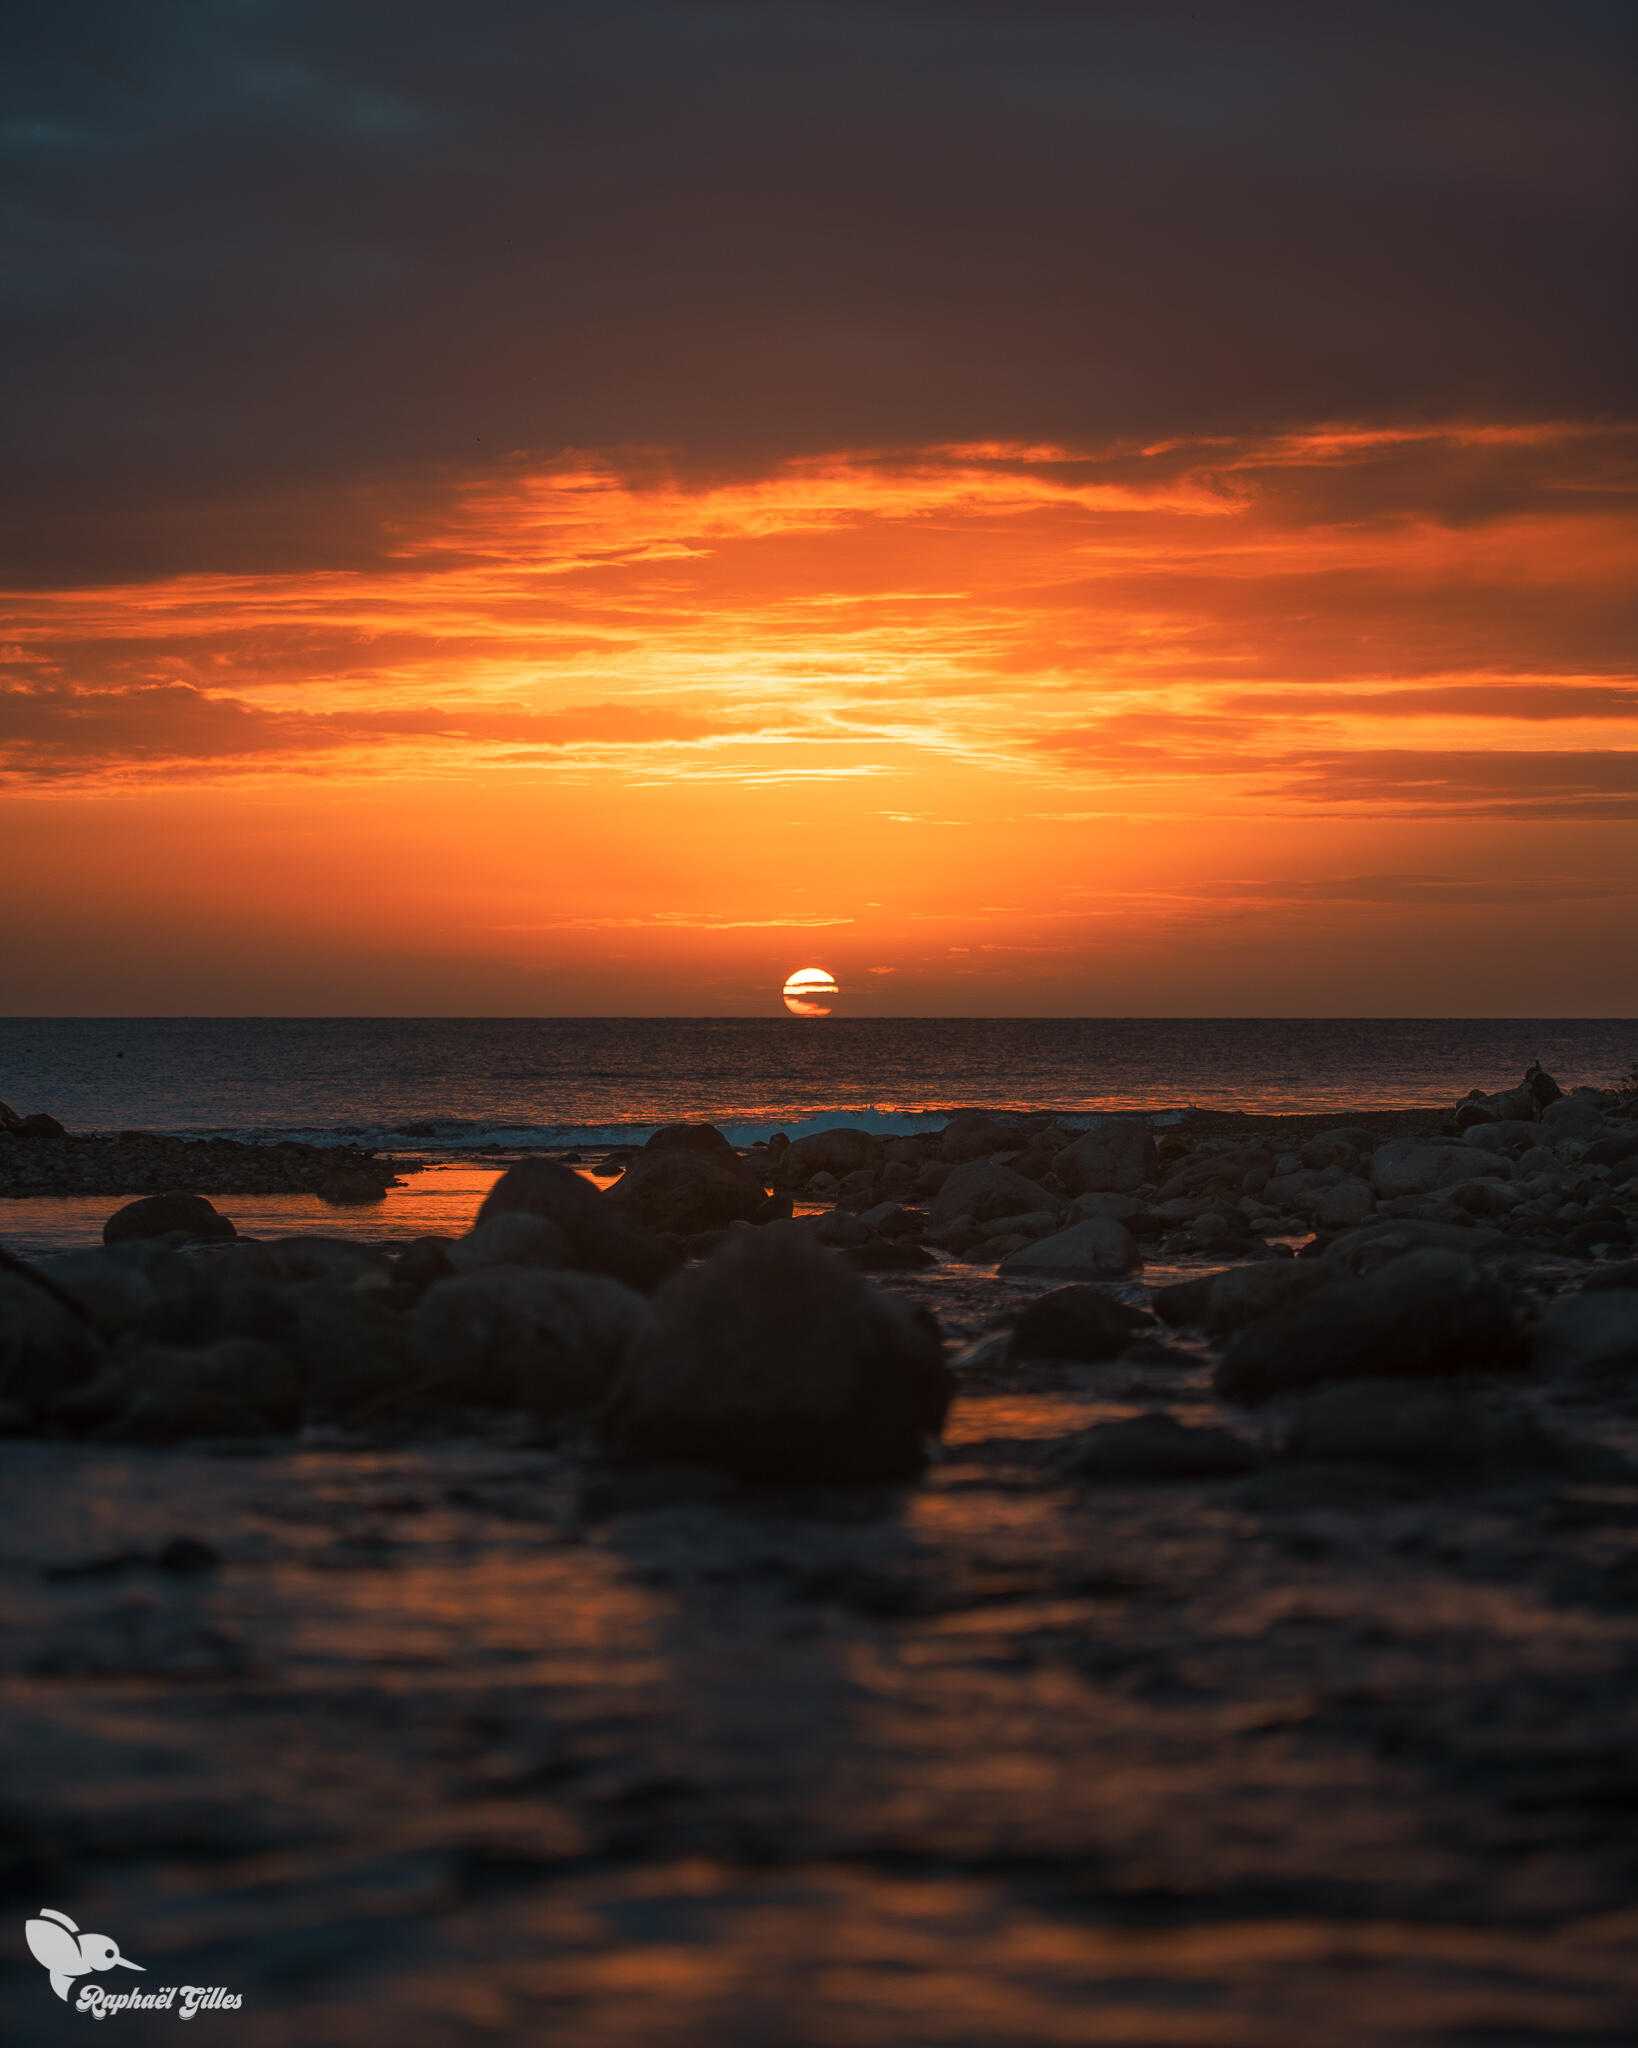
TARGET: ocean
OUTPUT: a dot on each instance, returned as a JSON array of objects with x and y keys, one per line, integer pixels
[{"x": 556, "y": 1082}]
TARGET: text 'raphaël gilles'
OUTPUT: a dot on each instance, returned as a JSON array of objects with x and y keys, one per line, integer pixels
[{"x": 194, "y": 1998}]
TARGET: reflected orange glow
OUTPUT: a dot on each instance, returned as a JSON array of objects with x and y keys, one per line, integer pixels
[{"x": 1010, "y": 722}]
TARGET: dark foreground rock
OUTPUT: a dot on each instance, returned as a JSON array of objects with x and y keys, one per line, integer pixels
[
  {"x": 1157, "y": 1446},
  {"x": 186, "y": 1218},
  {"x": 688, "y": 1178},
  {"x": 1076, "y": 1322},
  {"x": 774, "y": 1361},
  {"x": 1424, "y": 1314},
  {"x": 603, "y": 1238}
]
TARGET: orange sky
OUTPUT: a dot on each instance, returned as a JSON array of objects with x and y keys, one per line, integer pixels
[{"x": 1327, "y": 721}]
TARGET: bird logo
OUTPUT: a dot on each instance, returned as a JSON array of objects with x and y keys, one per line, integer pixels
[{"x": 59, "y": 1946}]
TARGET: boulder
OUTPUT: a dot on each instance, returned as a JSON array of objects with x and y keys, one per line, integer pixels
[
  {"x": 1155, "y": 1447},
  {"x": 47, "y": 1349},
  {"x": 1344, "y": 1206},
  {"x": 9, "y": 1119},
  {"x": 1219, "y": 1303},
  {"x": 1413, "y": 1427},
  {"x": 112, "y": 1288},
  {"x": 1115, "y": 1155},
  {"x": 1597, "y": 1330},
  {"x": 1426, "y": 1314},
  {"x": 687, "y": 1190},
  {"x": 350, "y": 1348},
  {"x": 1611, "y": 1151},
  {"x": 603, "y": 1238},
  {"x": 1377, "y": 1244},
  {"x": 982, "y": 1190},
  {"x": 1344, "y": 1148},
  {"x": 351, "y": 1188},
  {"x": 516, "y": 1238},
  {"x": 160, "y": 1394},
  {"x": 38, "y": 1126},
  {"x": 1408, "y": 1168},
  {"x": 159, "y": 1215},
  {"x": 774, "y": 1361},
  {"x": 544, "y": 1342},
  {"x": 280, "y": 1261},
  {"x": 842, "y": 1150},
  {"x": 1509, "y": 1137},
  {"x": 1121, "y": 1207},
  {"x": 1075, "y": 1322},
  {"x": 1098, "y": 1248}
]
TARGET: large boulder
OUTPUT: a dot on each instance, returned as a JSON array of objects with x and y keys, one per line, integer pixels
[
  {"x": 1378, "y": 1244},
  {"x": 47, "y": 1348},
  {"x": 603, "y": 1238},
  {"x": 113, "y": 1287},
  {"x": 517, "y": 1238},
  {"x": 1408, "y": 1168},
  {"x": 774, "y": 1361},
  {"x": 983, "y": 1190},
  {"x": 688, "y": 1178},
  {"x": 1597, "y": 1330},
  {"x": 1075, "y": 1322},
  {"x": 842, "y": 1150},
  {"x": 976, "y": 1134},
  {"x": 1426, "y": 1314},
  {"x": 544, "y": 1342},
  {"x": 1097, "y": 1248},
  {"x": 160, "y": 1394},
  {"x": 1116, "y": 1155},
  {"x": 1219, "y": 1303},
  {"x": 349, "y": 1346},
  {"x": 1156, "y": 1447},
  {"x": 160, "y": 1215}
]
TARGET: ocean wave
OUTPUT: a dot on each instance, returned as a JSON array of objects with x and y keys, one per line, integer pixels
[{"x": 456, "y": 1135}]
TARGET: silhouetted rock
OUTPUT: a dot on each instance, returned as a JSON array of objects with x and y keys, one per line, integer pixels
[
  {"x": 1219, "y": 1303},
  {"x": 839, "y": 1151},
  {"x": 1116, "y": 1155},
  {"x": 1075, "y": 1322},
  {"x": 159, "y": 1394},
  {"x": 983, "y": 1190},
  {"x": 46, "y": 1347},
  {"x": 518, "y": 1238},
  {"x": 1415, "y": 1427},
  {"x": 160, "y": 1215},
  {"x": 350, "y": 1188},
  {"x": 1098, "y": 1248},
  {"x": 544, "y": 1342},
  {"x": 688, "y": 1190},
  {"x": 603, "y": 1238},
  {"x": 1428, "y": 1313},
  {"x": 1157, "y": 1447},
  {"x": 38, "y": 1126},
  {"x": 774, "y": 1361}
]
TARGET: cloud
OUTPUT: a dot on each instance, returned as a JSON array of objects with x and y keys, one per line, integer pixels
[{"x": 1534, "y": 702}]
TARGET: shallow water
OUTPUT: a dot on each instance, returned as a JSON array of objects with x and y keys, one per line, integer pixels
[{"x": 455, "y": 1746}]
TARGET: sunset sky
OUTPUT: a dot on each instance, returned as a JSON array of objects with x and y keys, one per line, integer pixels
[{"x": 1036, "y": 508}]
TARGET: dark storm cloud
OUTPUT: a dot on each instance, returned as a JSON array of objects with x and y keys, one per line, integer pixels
[{"x": 258, "y": 253}]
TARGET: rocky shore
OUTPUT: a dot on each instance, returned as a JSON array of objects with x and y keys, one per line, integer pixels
[
  {"x": 39, "y": 1157},
  {"x": 1053, "y": 1571}
]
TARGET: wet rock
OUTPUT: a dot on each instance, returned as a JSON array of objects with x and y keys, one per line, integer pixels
[
  {"x": 1408, "y": 1168},
  {"x": 1116, "y": 1155},
  {"x": 1156, "y": 1447},
  {"x": 161, "y": 1394},
  {"x": 604, "y": 1240},
  {"x": 350, "y": 1347},
  {"x": 46, "y": 1348},
  {"x": 351, "y": 1188},
  {"x": 545, "y": 1342},
  {"x": 1428, "y": 1313},
  {"x": 1122, "y": 1207},
  {"x": 1597, "y": 1330},
  {"x": 1098, "y": 1248},
  {"x": 1378, "y": 1244},
  {"x": 1081, "y": 1323},
  {"x": 984, "y": 1190},
  {"x": 1220, "y": 1303},
  {"x": 688, "y": 1178},
  {"x": 161, "y": 1215},
  {"x": 115, "y": 1287},
  {"x": 1415, "y": 1428},
  {"x": 1624, "y": 1276},
  {"x": 888, "y": 1255},
  {"x": 774, "y": 1361},
  {"x": 516, "y": 1238},
  {"x": 843, "y": 1150}
]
